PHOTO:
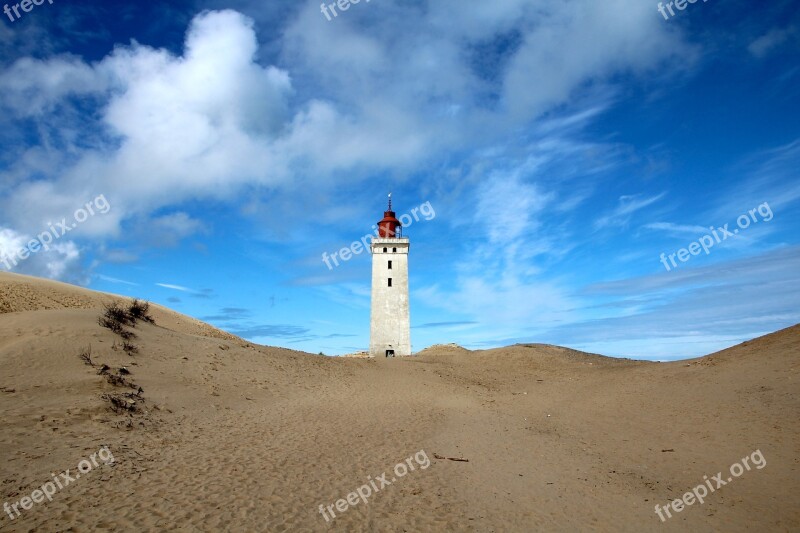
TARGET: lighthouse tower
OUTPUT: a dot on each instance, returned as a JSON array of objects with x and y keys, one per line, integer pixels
[{"x": 390, "y": 327}]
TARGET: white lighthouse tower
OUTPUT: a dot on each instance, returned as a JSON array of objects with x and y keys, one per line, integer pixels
[{"x": 390, "y": 326}]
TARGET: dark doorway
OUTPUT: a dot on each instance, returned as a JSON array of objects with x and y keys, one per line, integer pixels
[{"x": 389, "y": 353}]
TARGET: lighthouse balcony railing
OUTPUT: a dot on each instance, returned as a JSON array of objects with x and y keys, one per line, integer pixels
[{"x": 399, "y": 236}]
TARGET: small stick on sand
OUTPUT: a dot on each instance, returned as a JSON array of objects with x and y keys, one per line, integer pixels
[{"x": 437, "y": 456}]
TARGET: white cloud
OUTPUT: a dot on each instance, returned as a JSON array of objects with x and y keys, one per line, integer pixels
[
  {"x": 168, "y": 230},
  {"x": 708, "y": 305},
  {"x": 115, "y": 280},
  {"x": 678, "y": 229},
  {"x": 386, "y": 87},
  {"x": 205, "y": 123},
  {"x": 175, "y": 287},
  {"x": 578, "y": 41},
  {"x": 173, "y": 127},
  {"x": 627, "y": 206},
  {"x": 499, "y": 280},
  {"x": 509, "y": 208},
  {"x": 771, "y": 40},
  {"x": 62, "y": 259}
]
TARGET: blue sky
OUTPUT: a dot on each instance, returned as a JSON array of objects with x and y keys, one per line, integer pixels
[{"x": 562, "y": 148}]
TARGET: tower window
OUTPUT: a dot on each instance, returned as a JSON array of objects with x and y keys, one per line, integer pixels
[
  {"x": 394, "y": 249},
  {"x": 390, "y": 265},
  {"x": 385, "y": 250},
  {"x": 390, "y": 282}
]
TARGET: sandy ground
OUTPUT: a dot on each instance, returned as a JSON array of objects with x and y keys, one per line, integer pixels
[{"x": 232, "y": 436}]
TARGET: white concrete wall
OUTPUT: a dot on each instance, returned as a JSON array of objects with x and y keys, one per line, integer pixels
[{"x": 390, "y": 324}]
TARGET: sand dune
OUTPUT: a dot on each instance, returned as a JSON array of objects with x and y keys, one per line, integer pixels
[{"x": 232, "y": 436}]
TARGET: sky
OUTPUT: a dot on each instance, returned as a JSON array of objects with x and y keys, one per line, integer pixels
[{"x": 206, "y": 155}]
